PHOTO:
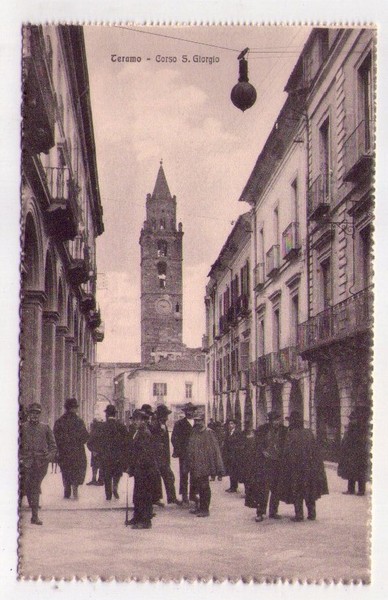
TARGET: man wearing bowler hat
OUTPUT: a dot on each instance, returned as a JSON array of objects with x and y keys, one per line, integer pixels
[
  {"x": 270, "y": 444},
  {"x": 180, "y": 441},
  {"x": 161, "y": 442},
  {"x": 110, "y": 441},
  {"x": 71, "y": 436},
  {"x": 37, "y": 449}
]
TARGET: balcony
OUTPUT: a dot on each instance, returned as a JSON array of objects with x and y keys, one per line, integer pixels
[
  {"x": 358, "y": 152},
  {"x": 94, "y": 318},
  {"x": 62, "y": 214},
  {"x": 268, "y": 366},
  {"x": 88, "y": 301},
  {"x": 346, "y": 319},
  {"x": 231, "y": 315},
  {"x": 79, "y": 270},
  {"x": 259, "y": 277},
  {"x": 223, "y": 325},
  {"x": 205, "y": 343},
  {"x": 99, "y": 333},
  {"x": 273, "y": 262},
  {"x": 39, "y": 99},
  {"x": 279, "y": 364},
  {"x": 318, "y": 198},
  {"x": 290, "y": 241}
]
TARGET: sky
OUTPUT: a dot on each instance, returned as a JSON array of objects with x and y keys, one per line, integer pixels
[{"x": 180, "y": 112}]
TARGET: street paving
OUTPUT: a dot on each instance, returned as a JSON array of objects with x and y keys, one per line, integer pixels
[{"x": 88, "y": 538}]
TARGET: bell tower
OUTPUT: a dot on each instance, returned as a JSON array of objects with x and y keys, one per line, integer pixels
[{"x": 161, "y": 275}]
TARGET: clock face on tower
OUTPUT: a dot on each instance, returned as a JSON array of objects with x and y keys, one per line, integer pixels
[{"x": 163, "y": 306}]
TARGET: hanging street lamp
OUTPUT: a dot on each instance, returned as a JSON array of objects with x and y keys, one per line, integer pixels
[{"x": 243, "y": 95}]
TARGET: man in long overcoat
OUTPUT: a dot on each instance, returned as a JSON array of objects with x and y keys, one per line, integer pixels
[
  {"x": 37, "y": 449},
  {"x": 204, "y": 460},
  {"x": 161, "y": 442},
  {"x": 354, "y": 457},
  {"x": 144, "y": 468},
  {"x": 180, "y": 440},
  {"x": 231, "y": 454},
  {"x": 71, "y": 436},
  {"x": 270, "y": 443},
  {"x": 303, "y": 476},
  {"x": 110, "y": 441}
]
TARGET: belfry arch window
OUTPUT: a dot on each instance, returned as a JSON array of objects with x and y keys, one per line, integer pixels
[
  {"x": 162, "y": 274},
  {"x": 162, "y": 248},
  {"x": 162, "y": 224}
]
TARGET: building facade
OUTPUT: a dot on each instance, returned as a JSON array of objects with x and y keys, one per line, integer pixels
[
  {"x": 228, "y": 304},
  {"x": 61, "y": 216},
  {"x": 109, "y": 390},
  {"x": 337, "y": 335}
]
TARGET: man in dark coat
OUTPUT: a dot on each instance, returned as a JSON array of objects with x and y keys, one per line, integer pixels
[
  {"x": 180, "y": 441},
  {"x": 161, "y": 442},
  {"x": 303, "y": 476},
  {"x": 353, "y": 463},
  {"x": 251, "y": 469},
  {"x": 143, "y": 467},
  {"x": 71, "y": 436},
  {"x": 95, "y": 460},
  {"x": 37, "y": 449},
  {"x": 203, "y": 460},
  {"x": 231, "y": 454},
  {"x": 110, "y": 441},
  {"x": 270, "y": 444},
  {"x": 151, "y": 422}
]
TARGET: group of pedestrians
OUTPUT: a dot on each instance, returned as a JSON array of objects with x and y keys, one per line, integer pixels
[{"x": 275, "y": 463}]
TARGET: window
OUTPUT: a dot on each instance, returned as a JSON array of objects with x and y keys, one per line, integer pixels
[
  {"x": 365, "y": 99},
  {"x": 276, "y": 330},
  {"x": 162, "y": 224},
  {"x": 160, "y": 389},
  {"x": 324, "y": 155},
  {"x": 294, "y": 319},
  {"x": 162, "y": 248},
  {"x": 366, "y": 254},
  {"x": 260, "y": 336},
  {"x": 189, "y": 390},
  {"x": 162, "y": 274},
  {"x": 326, "y": 283}
]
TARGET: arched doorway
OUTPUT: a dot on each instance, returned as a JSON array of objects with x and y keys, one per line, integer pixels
[
  {"x": 327, "y": 403},
  {"x": 237, "y": 412},
  {"x": 248, "y": 412},
  {"x": 229, "y": 412},
  {"x": 276, "y": 396},
  {"x": 296, "y": 398}
]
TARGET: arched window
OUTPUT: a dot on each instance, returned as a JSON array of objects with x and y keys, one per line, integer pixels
[
  {"x": 162, "y": 224},
  {"x": 162, "y": 274},
  {"x": 162, "y": 248}
]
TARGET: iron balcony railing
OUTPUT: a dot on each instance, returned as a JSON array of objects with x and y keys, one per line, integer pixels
[
  {"x": 358, "y": 150},
  {"x": 318, "y": 198},
  {"x": 279, "y": 364},
  {"x": 290, "y": 241},
  {"x": 259, "y": 276},
  {"x": 273, "y": 260},
  {"x": 343, "y": 320},
  {"x": 63, "y": 212}
]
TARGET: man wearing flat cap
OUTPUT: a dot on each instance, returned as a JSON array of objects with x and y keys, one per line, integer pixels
[
  {"x": 37, "y": 449},
  {"x": 270, "y": 444},
  {"x": 110, "y": 441},
  {"x": 161, "y": 442},
  {"x": 180, "y": 441},
  {"x": 71, "y": 436}
]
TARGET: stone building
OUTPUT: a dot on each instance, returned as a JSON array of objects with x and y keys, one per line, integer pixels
[
  {"x": 338, "y": 66},
  {"x": 108, "y": 390},
  {"x": 61, "y": 216},
  {"x": 276, "y": 190},
  {"x": 228, "y": 305}
]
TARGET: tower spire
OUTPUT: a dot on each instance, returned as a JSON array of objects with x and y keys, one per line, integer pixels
[{"x": 161, "y": 189}]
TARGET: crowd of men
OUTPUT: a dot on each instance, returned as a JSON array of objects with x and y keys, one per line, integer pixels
[{"x": 275, "y": 463}]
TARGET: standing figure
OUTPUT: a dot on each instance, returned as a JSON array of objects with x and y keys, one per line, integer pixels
[
  {"x": 270, "y": 444},
  {"x": 251, "y": 469},
  {"x": 203, "y": 460},
  {"x": 110, "y": 441},
  {"x": 143, "y": 467},
  {"x": 161, "y": 442},
  {"x": 231, "y": 454},
  {"x": 71, "y": 436},
  {"x": 303, "y": 476},
  {"x": 37, "y": 449},
  {"x": 353, "y": 463},
  {"x": 180, "y": 441},
  {"x": 95, "y": 460}
]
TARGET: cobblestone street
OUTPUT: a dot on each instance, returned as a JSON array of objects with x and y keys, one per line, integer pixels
[{"x": 89, "y": 538}]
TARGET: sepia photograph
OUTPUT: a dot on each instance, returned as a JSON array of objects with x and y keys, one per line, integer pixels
[{"x": 196, "y": 302}]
